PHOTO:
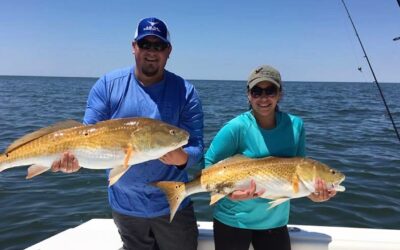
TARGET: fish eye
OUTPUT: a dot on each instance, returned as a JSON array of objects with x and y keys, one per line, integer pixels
[
  {"x": 172, "y": 132},
  {"x": 333, "y": 171}
]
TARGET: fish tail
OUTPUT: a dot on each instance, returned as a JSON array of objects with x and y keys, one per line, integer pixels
[
  {"x": 3, "y": 165},
  {"x": 175, "y": 192}
]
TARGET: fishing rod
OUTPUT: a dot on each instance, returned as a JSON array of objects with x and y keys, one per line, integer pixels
[
  {"x": 397, "y": 38},
  {"x": 372, "y": 71}
]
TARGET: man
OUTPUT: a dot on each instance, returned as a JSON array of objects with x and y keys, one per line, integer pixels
[{"x": 141, "y": 211}]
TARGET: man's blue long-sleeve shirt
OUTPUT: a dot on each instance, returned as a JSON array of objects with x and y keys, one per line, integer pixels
[{"x": 173, "y": 100}]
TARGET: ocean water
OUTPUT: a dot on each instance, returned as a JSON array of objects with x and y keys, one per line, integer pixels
[{"x": 346, "y": 127}]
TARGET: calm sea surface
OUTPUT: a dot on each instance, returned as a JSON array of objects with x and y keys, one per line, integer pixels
[{"x": 346, "y": 124}]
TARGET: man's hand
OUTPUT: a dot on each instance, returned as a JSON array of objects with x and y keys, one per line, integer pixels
[
  {"x": 246, "y": 194},
  {"x": 67, "y": 163},
  {"x": 321, "y": 192},
  {"x": 177, "y": 157}
]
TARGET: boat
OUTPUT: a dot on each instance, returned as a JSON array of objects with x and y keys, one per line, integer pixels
[{"x": 102, "y": 234}]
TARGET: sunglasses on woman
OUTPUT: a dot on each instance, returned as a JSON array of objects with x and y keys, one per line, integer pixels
[
  {"x": 270, "y": 91},
  {"x": 157, "y": 46}
]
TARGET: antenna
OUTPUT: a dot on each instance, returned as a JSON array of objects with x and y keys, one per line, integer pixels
[{"x": 372, "y": 71}]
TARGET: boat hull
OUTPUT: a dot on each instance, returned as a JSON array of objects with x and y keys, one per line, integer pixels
[{"x": 102, "y": 234}]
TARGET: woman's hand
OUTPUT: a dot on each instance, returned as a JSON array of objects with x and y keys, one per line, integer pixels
[
  {"x": 321, "y": 192},
  {"x": 246, "y": 194}
]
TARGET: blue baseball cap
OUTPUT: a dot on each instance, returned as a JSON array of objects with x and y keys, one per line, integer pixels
[{"x": 152, "y": 26}]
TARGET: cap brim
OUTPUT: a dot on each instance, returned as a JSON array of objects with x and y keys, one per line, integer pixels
[
  {"x": 263, "y": 79},
  {"x": 150, "y": 34}
]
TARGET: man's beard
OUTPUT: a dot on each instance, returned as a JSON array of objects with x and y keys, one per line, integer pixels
[{"x": 149, "y": 70}]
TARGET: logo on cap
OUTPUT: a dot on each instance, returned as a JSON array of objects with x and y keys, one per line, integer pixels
[
  {"x": 152, "y": 26},
  {"x": 258, "y": 70}
]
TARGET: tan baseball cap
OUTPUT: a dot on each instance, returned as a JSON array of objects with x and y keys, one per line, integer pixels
[{"x": 264, "y": 73}]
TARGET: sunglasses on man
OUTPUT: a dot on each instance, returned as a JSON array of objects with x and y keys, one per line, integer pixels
[
  {"x": 157, "y": 46},
  {"x": 270, "y": 91}
]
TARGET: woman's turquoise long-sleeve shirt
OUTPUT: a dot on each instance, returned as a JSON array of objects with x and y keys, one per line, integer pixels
[{"x": 242, "y": 135}]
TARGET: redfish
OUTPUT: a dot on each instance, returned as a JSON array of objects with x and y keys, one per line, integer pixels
[
  {"x": 113, "y": 144},
  {"x": 281, "y": 178}
]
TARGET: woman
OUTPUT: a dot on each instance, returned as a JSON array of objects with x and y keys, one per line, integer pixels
[{"x": 262, "y": 131}]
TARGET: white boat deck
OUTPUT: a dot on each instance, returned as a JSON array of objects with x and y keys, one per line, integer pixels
[{"x": 102, "y": 234}]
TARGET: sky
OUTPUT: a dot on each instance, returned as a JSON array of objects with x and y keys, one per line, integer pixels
[{"x": 306, "y": 40}]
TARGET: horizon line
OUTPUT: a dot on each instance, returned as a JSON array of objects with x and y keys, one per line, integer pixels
[{"x": 96, "y": 77}]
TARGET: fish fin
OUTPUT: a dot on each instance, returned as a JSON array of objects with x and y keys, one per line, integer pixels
[
  {"x": 42, "y": 132},
  {"x": 216, "y": 197},
  {"x": 35, "y": 170},
  {"x": 295, "y": 184},
  {"x": 277, "y": 202},
  {"x": 309, "y": 184},
  {"x": 175, "y": 192},
  {"x": 120, "y": 170},
  {"x": 128, "y": 154},
  {"x": 116, "y": 173},
  {"x": 236, "y": 158}
]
